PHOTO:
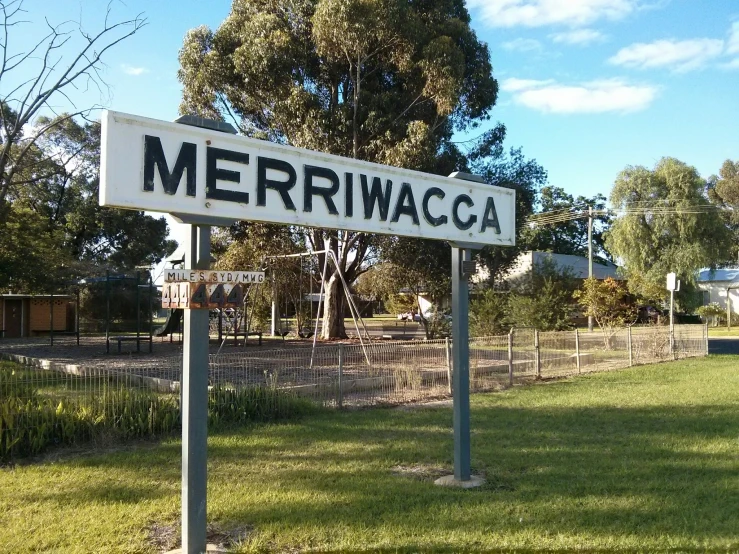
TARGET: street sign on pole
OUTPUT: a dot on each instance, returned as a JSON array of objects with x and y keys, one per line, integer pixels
[
  {"x": 671, "y": 281},
  {"x": 204, "y": 177}
]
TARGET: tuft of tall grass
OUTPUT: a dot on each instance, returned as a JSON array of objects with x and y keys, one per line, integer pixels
[{"x": 40, "y": 412}]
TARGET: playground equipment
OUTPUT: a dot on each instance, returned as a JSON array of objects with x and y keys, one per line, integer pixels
[
  {"x": 172, "y": 325},
  {"x": 354, "y": 311},
  {"x": 112, "y": 279}
]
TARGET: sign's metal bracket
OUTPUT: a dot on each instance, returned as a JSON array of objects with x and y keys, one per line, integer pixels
[{"x": 214, "y": 221}]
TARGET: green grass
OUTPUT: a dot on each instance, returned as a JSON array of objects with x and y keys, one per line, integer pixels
[
  {"x": 723, "y": 332},
  {"x": 640, "y": 460}
]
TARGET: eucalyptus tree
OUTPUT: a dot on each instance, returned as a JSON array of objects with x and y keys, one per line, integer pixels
[
  {"x": 667, "y": 226},
  {"x": 56, "y": 218},
  {"x": 387, "y": 81}
]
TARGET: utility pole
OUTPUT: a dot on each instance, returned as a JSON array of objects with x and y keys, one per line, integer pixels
[{"x": 590, "y": 257}]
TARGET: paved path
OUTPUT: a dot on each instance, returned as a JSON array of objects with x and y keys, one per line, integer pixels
[{"x": 723, "y": 345}]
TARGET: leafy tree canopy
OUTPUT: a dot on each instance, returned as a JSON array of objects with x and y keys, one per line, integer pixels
[
  {"x": 386, "y": 81},
  {"x": 569, "y": 237},
  {"x": 724, "y": 189},
  {"x": 55, "y": 217},
  {"x": 653, "y": 242}
]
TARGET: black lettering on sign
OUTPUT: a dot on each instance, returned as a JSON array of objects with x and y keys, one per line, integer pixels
[
  {"x": 236, "y": 295},
  {"x": 213, "y": 174},
  {"x": 434, "y": 221},
  {"x": 310, "y": 190},
  {"x": 218, "y": 296},
  {"x": 154, "y": 156},
  {"x": 490, "y": 217},
  {"x": 200, "y": 296},
  {"x": 349, "y": 194},
  {"x": 405, "y": 205},
  {"x": 283, "y": 187},
  {"x": 458, "y": 223},
  {"x": 377, "y": 195}
]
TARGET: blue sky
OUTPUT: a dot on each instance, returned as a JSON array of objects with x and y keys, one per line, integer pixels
[{"x": 587, "y": 86}]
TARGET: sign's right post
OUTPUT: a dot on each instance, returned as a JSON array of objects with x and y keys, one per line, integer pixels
[{"x": 461, "y": 365}]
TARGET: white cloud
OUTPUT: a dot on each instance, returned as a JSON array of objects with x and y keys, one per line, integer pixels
[
  {"x": 611, "y": 95},
  {"x": 514, "y": 85},
  {"x": 522, "y": 45},
  {"x": 732, "y": 45},
  {"x": 131, "y": 70},
  {"x": 683, "y": 55},
  {"x": 578, "y": 36},
  {"x": 537, "y": 13}
]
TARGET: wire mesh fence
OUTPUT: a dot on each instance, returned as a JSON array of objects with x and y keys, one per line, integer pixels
[{"x": 51, "y": 403}]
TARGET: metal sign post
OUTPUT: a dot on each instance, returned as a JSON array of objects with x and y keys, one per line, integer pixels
[
  {"x": 195, "y": 405},
  {"x": 461, "y": 365},
  {"x": 462, "y": 269}
]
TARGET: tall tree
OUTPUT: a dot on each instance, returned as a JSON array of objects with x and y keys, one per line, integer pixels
[
  {"x": 510, "y": 170},
  {"x": 66, "y": 57},
  {"x": 724, "y": 189},
  {"x": 569, "y": 236},
  {"x": 387, "y": 81},
  {"x": 660, "y": 231},
  {"x": 59, "y": 212}
]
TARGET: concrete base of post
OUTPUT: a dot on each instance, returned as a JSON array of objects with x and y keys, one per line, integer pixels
[
  {"x": 209, "y": 549},
  {"x": 449, "y": 481}
]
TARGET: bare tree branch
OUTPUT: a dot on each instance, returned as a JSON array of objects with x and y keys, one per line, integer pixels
[{"x": 54, "y": 74}]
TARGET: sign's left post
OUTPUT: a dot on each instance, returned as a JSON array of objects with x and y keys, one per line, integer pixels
[{"x": 194, "y": 407}]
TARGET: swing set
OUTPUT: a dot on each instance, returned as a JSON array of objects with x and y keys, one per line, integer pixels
[{"x": 307, "y": 332}]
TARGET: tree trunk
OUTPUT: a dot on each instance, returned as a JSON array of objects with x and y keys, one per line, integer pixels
[{"x": 333, "y": 311}]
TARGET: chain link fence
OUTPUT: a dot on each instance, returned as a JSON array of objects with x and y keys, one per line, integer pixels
[{"x": 51, "y": 403}]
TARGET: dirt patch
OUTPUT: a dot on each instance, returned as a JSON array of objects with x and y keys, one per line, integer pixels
[
  {"x": 420, "y": 472},
  {"x": 165, "y": 537}
]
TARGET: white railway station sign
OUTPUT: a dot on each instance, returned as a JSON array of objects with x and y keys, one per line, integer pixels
[
  {"x": 159, "y": 166},
  {"x": 206, "y": 177}
]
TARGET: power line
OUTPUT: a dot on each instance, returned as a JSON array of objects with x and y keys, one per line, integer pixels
[{"x": 564, "y": 215}]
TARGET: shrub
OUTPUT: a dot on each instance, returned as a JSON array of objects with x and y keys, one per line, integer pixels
[
  {"x": 488, "y": 314},
  {"x": 32, "y": 420}
]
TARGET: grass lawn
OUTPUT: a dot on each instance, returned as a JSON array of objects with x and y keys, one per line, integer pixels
[
  {"x": 723, "y": 332},
  {"x": 643, "y": 459}
]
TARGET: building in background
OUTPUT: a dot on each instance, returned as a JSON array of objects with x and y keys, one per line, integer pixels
[
  {"x": 718, "y": 285},
  {"x": 24, "y": 315}
]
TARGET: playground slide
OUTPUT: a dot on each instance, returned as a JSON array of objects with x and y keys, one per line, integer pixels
[{"x": 171, "y": 325}]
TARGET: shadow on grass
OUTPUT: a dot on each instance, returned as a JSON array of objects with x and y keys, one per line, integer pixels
[{"x": 646, "y": 472}]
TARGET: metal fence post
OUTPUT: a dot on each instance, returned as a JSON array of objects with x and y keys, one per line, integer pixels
[
  {"x": 448, "y": 347},
  {"x": 51, "y": 316},
  {"x": 577, "y": 349},
  {"x": 705, "y": 339},
  {"x": 630, "y": 343},
  {"x": 340, "y": 392},
  {"x": 537, "y": 354},
  {"x": 510, "y": 358}
]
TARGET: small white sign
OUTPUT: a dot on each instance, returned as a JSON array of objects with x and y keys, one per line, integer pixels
[
  {"x": 671, "y": 281},
  {"x": 213, "y": 277},
  {"x": 160, "y": 166}
]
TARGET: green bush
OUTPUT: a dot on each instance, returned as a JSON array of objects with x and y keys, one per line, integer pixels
[
  {"x": 489, "y": 314},
  {"x": 33, "y": 420}
]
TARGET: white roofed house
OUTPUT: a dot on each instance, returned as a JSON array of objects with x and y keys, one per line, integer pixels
[{"x": 718, "y": 285}]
